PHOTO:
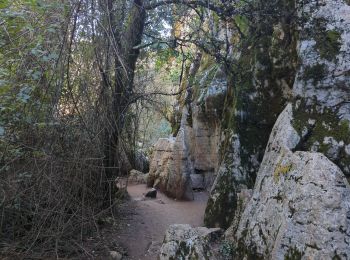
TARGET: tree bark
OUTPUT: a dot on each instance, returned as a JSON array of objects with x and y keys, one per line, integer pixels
[{"x": 125, "y": 58}]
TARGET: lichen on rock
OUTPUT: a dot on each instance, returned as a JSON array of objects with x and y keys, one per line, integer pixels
[
  {"x": 185, "y": 242},
  {"x": 306, "y": 211}
]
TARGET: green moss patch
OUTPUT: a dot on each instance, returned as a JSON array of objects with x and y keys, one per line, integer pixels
[
  {"x": 328, "y": 43},
  {"x": 221, "y": 206},
  {"x": 315, "y": 73},
  {"x": 326, "y": 124}
]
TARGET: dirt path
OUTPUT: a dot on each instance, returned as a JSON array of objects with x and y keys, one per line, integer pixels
[{"x": 143, "y": 230}]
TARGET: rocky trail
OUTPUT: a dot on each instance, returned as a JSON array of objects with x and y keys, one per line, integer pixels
[{"x": 146, "y": 220}]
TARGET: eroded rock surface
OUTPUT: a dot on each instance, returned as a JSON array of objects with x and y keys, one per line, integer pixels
[
  {"x": 137, "y": 177},
  {"x": 184, "y": 242},
  {"x": 169, "y": 167},
  {"x": 190, "y": 160},
  {"x": 300, "y": 206},
  {"x": 322, "y": 83}
]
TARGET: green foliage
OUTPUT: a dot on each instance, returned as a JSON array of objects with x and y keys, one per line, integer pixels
[
  {"x": 164, "y": 57},
  {"x": 227, "y": 249},
  {"x": 242, "y": 23},
  {"x": 28, "y": 56},
  {"x": 170, "y": 60},
  {"x": 328, "y": 42},
  {"x": 316, "y": 73}
]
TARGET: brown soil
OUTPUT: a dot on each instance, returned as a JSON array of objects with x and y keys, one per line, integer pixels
[{"x": 142, "y": 230}]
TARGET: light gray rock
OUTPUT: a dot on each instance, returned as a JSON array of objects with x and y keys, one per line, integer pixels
[
  {"x": 322, "y": 82},
  {"x": 170, "y": 167},
  {"x": 300, "y": 205},
  {"x": 137, "y": 177},
  {"x": 184, "y": 242},
  {"x": 115, "y": 255},
  {"x": 324, "y": 44},
  {"x": 197, "y": 181},
  {"x": 176, "y": 162}
]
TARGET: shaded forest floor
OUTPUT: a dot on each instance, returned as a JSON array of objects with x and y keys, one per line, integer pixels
[{"x": 144, "y": 221}]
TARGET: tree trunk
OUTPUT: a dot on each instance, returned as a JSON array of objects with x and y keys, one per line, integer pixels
[{"x": 125, "y": 58}]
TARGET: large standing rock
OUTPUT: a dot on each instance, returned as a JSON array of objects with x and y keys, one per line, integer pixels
[
  {"x": 189, "y": 161},
  {"x": 137, "y": 177},
  {"x": 162, "y": 154},
  {"x": 322, "y": 84},
  {"x": 300, "y": 206},
  {"x": 170, "y": 168},
  {"x": 185, "y": 242},
  {"x": 262, "y": 83}
]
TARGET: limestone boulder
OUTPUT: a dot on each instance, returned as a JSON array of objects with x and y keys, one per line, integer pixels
[
  {"x": 300, "y": 206},
  {"x": 162, "y": 154},
  {"x": 322, "y": 82},
  {"x": 189, "y": 161},
  {"x": 137, "y": 177},
  {"x": 170, "y": 168},
  {"x": 184, "y": 242}
]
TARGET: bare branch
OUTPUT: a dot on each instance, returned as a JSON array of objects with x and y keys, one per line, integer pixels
[{"x": 220, "y": 10}]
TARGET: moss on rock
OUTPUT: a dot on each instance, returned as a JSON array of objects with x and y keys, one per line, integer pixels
[
  {"x": 315, "y": 126},
  {"x": 221, "y": 205},
  {"x": 315, "y": 73},
  {"x": 256, "y": 96},
  {"x": 327, "y": 42}
]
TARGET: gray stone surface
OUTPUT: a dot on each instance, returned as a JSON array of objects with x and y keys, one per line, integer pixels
[
  {"x": 137, "y": 177},
  {"x": 324, "y": 43},
  {"x": 300, "y": 205},
  {"x": 190, "y": 160},
  {"x": 184, "y": 242}
]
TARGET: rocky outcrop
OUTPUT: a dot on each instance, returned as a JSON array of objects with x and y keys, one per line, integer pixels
[
  {"x": 185, "y": 242},
  {"x": 169, "y": 168},
  {"x": 300, "y": 206},
  {"x": 282, "y": 186},
  {"x": 319, "y": 90},
  {"x": 322, "y": 85},
  {"x": 263, "y": 72},
  {"x": 137, "y": 177},
  {"x": 190, "y": 160}
]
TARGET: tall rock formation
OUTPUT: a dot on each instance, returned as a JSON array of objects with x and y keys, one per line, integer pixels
[
  {"x": 296, "y": 59},
  {"x": 301, "y": 203},
  {"x": 262, "y": 77},
  {"x": 190, "y": 160}
]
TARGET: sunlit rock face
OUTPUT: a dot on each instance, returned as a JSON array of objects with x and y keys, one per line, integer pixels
[
  {"x": 169, "y": 169},
  {"x": 300, "y": 206}
]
